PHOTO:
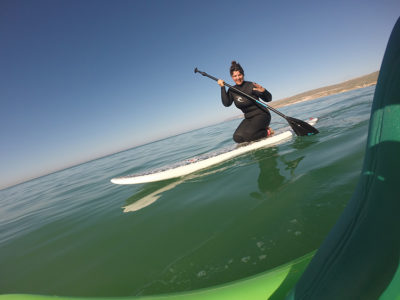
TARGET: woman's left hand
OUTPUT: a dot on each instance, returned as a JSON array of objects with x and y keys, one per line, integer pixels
[{"x": 258, "y": 88}]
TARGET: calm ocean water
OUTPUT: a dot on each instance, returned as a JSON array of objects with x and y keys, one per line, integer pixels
[{"x": 74, "y": 233}]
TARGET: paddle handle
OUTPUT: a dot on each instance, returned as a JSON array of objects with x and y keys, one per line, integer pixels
[{"x": 242, "y": 93}]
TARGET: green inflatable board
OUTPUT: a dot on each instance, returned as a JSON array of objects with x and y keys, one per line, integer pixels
[{"x": 360, "y": 257}]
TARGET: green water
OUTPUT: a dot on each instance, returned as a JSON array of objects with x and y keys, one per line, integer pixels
[{"x": 67, "y": 233}]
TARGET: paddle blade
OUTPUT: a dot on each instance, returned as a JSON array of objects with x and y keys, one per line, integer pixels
[{"x": 300, "y": 127}]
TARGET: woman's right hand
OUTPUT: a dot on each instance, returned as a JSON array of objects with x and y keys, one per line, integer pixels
[{"x": 221, "y": 82}]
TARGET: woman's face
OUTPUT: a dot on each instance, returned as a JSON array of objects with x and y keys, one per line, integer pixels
[{"x": 237, "y": 77}]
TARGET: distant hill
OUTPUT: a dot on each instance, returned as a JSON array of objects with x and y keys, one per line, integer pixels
[{"x": 352, "y": 84}]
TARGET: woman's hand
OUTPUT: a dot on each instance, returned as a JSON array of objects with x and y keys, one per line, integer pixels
[
  {"x": 258, "y": 87},
  {"x": 221, "y": 82}
]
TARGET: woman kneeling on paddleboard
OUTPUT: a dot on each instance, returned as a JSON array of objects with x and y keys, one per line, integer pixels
[{"x": 256, "y": 120}]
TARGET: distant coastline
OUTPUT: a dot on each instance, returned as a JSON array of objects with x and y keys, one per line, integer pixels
[{"x": 352, "y": 84}]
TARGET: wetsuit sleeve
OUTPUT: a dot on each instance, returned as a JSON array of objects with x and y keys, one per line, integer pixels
[
  {"x": 266, "y": 96},
  {"x": 226, "y": 99}
]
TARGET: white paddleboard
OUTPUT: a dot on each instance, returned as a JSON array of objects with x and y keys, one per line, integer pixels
[{"x": 196, "y": 164}]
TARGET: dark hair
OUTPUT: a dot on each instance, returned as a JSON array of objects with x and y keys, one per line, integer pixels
[{"x": 236, "y": 67}]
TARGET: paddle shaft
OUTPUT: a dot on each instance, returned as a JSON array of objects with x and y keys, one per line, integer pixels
[{"x": 242, "y": 93}]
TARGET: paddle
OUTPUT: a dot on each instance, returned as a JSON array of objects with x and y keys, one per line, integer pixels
[{"x": 300, "y": 127}]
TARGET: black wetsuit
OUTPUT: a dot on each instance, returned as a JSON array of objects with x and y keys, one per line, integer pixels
[{"x": 256, "y": 119}]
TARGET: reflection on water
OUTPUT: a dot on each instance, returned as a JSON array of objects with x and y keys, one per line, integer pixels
[
  {"x": 270, "y": 178},
  {"x": 153, "y": 191},
  {"x": 149, "y": 198},
  {"x": 275, "y": 168}
]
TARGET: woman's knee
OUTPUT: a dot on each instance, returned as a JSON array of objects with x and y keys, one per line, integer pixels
[{"x": 238, "y": 138}]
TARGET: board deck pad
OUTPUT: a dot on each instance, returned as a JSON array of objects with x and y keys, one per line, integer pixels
[{"x": 201, "y": 162}]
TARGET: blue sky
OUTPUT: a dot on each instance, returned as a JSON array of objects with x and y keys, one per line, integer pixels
[{"x": 83, "y": 79}]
